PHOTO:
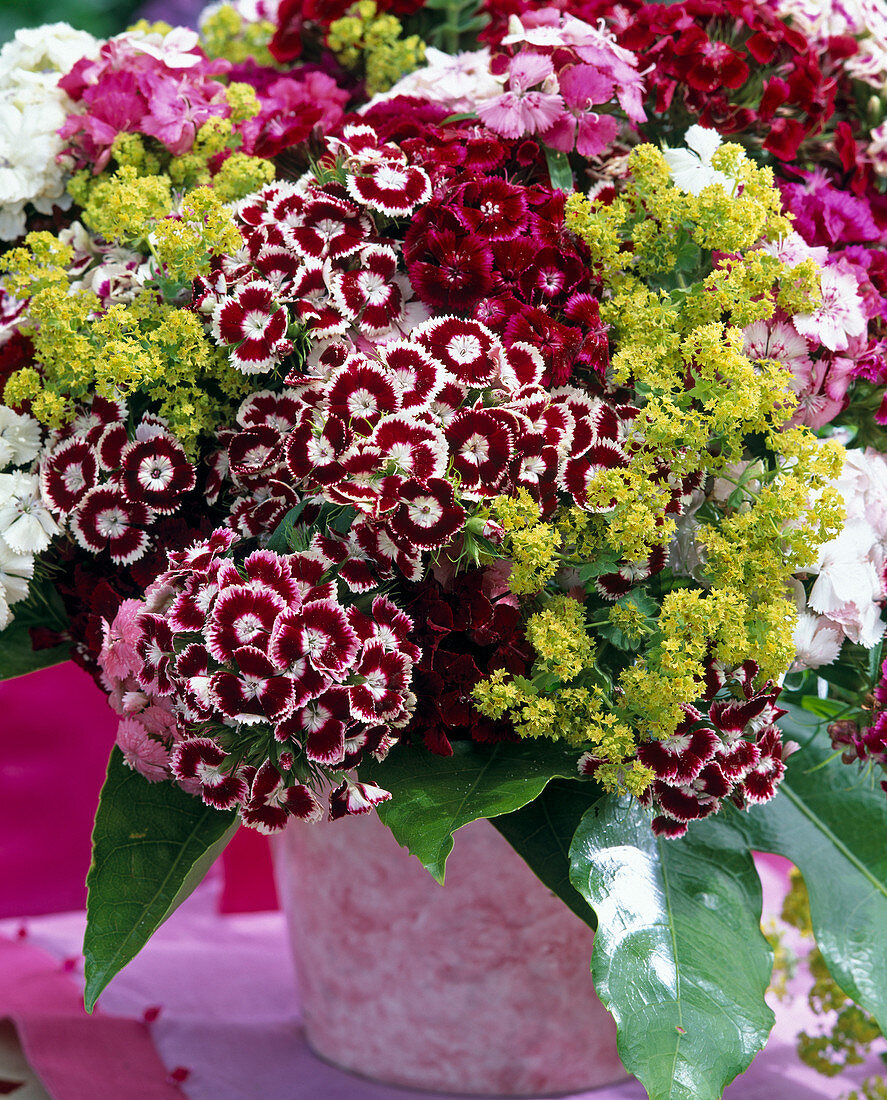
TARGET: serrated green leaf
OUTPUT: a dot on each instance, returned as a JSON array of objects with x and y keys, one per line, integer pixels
[
  {"x": 831, "y": 822},
  {"x": 606, "y": 562},
  {"x": 679, "y": 958},
  {"x": 541, "y": 833},
  {"x": 433, "y": 796},
  {"x": 18, "y": 658},
  {"x": 152, "y": 844}
]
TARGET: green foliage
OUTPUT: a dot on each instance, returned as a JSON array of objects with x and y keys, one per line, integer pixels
[
  {"x": 831, "y": 821},
  {"x": 448, "y": 25},
  {"x": 42, "y": 607},
  {"x": 679, "y": 958},
  {"x": 433, "y": 795},
  {"x": 100, "y": 17},
  {"x": 151, "y": 846}
]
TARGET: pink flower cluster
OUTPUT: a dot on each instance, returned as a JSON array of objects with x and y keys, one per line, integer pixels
[
  {"x": 162, "y": 86},
  {"x": 247, "y": 682},
  {"x": 564, "y": 69}
]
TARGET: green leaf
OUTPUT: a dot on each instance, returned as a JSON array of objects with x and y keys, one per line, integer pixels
[
  {"x": 433, "y": 795},
  {"x": 831, "y": 822},
  {"x": 648, "y": 609},
  {"x": 679, "y": 958},
  {"x": 541, "y": 833},
  {"x": 280, "y": 540},
  {"x": 42, "y": 607},
  {"x": 17, "y": 657},
  {"x": 151, "y": 846},
  {"x": 559, "y": 171},
  {"x": 606, "y": 562}
]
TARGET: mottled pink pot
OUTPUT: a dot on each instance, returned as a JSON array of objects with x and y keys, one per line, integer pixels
[{"x": 481, "y": 986}]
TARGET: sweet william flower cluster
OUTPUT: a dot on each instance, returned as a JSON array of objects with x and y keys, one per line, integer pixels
[{"x": 339, "y": 422}]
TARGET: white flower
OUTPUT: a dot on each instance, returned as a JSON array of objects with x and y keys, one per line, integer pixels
[
  {"x": 793, "y": 249},
  {"x": 691, "y": 168},
  {"x": 52, "y": 48},
  {"x": 250, "y": 11},
  {"x": 173, "y": 49},
  {"x": 25, "y": 523},
  {"x": 849, "y": 586},
  {"x": 459, "y": 82},
  {"x": 19, "y": 438},
  {"x": 32, "y": 108},
  {"x": 877, "y": 150},
  {"x": 15, "y": 572},
  {"x": 5, "y": 613},
  {"x": 818, "y": 642},
  {"x": 839, "y": 317}
]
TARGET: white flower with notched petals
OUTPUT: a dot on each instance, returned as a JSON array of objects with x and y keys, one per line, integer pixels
[
  {"x": 19, "y": 438},
  {"x": 818, "y": 642},
  {"x": 15, "y": 572},
  {"x": 25, "y": 523},
  {"x": 32, "y": 108},
  {"x": 840, "y": 315},
  {"x": 459, "y": 82},
  {"x": 691, "y": 168}
]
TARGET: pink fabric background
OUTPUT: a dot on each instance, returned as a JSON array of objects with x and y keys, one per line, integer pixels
[{"x": 209, "y": 1009}]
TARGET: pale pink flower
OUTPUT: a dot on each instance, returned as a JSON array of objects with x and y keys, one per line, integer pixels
[
  {"x": 840, "y": 315},
  {"x": 141, "y": 752},
  {"x": 118, "y": 658},
  {"x": 518, "y": 112},
  {"x": 818, "y": 642},
  {"x": 849, "y": 586}
]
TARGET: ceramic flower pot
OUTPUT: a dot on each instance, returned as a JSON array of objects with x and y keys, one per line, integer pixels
[{"x": 481, "y": 986}]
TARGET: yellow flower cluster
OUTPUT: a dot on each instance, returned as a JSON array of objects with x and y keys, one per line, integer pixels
[
  {"x": 364, "y": 39},
  {"x": 576, "y": 711},
  {"x": 532, "y": 545},
  {"x": 677, "y": 327},
  {"x": 145, "y": 346},
  {"x": 184, "y": 246},
  {"x": 558, "y": 635},
  {"x": 225, "y": 33}
]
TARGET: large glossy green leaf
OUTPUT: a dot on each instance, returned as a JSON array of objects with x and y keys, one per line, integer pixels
[
  {"x": 151, "y": 846},
  {"x": 541, "y": 833},
  {"x": 433, "y": 795},
  {"x": 831, "y": 822},
  {"x": 679, "y": 959}
]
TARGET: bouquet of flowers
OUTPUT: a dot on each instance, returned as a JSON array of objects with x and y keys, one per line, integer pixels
[{"x": 394, "y": 393}]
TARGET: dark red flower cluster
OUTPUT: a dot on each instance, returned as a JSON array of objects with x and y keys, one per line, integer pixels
[
  {"x": 467, "y": 626},
  {"x": 726, "y": 64},
  {"x": 734, "y": 751},
  {"x": 263, "y": 674},
  {"x": 110, "y": 488},
  {"x": 497, "y": 250},
  {"x": 870, "y": 744}
]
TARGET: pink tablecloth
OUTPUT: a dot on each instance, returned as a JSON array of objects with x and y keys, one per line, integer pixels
[{"x": 209, "y": 1009}]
